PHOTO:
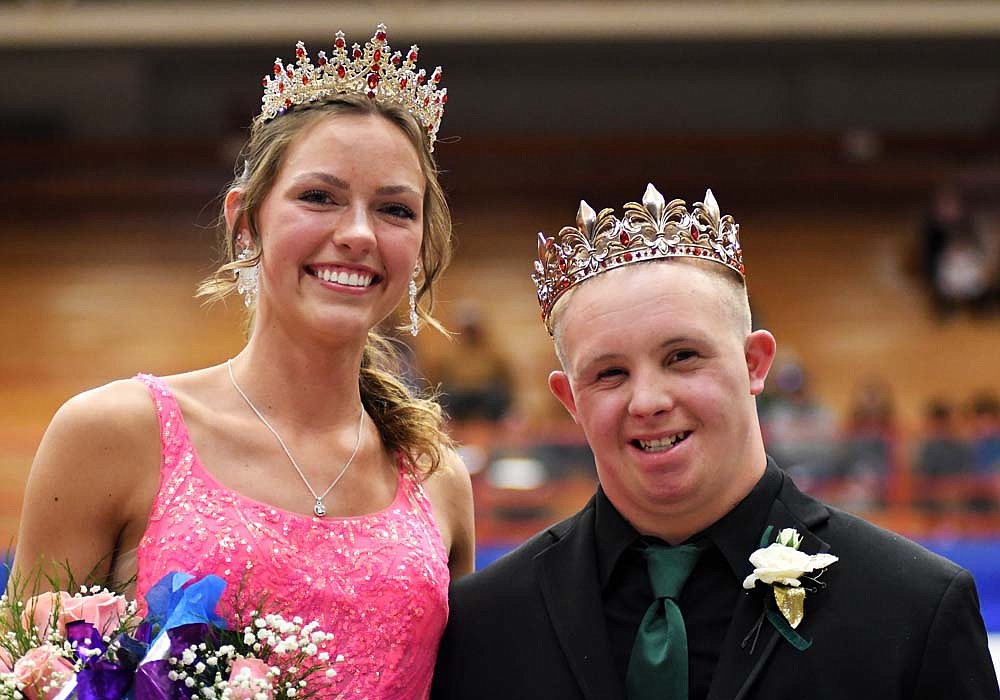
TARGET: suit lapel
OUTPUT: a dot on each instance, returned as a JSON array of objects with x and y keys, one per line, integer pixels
[
  {"x": 743, "y": 657},
  {"x": 567, "y": 576}
]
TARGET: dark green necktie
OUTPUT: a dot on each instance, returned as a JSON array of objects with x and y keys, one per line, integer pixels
[{"x": 658, "y": 667}]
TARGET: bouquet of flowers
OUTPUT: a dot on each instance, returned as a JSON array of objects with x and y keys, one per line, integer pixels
[{"x": 94, "y": 646}]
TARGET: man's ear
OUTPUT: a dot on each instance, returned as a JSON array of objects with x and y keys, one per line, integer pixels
[
  {"x": 561, "y": 389},
  {"x": 759, "y": 350},
  {"x": 235, "y": 219}
]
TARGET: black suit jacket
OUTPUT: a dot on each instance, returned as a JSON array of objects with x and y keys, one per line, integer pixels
[{"x": 894, "y": 621}]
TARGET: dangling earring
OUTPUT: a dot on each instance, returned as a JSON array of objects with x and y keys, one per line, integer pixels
[
  {"x": 246, "y": 277},
  {"x": 414, "y": 329}
]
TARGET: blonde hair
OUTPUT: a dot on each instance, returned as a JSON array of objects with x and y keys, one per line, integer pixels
[{"x": 407, "y": 422}]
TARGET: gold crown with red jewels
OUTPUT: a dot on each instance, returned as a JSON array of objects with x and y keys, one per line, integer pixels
[
  {"x": 652, "y": 230},
  {"x": 373, "y": 70}
]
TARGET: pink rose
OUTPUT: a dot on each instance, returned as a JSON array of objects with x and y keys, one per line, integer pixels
[
  {"x": 42, "y": 672},
  {"x": 102, "y": 610},
  {"x": 247, "y": 677},
  {"x": 39, "y": 611},
  {"x": 6, "y": 662}
]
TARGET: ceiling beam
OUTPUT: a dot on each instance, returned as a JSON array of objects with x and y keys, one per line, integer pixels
[{"x": 44, "y": 24}]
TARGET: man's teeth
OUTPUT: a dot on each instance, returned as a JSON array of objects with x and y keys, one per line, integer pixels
[
  {"x": 661, "y": 444},
  {"x": 351, "y": 279}
]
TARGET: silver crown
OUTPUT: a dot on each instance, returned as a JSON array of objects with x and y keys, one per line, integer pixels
[
  {"x": 651, "y": 230},
  {"x": 372, "y": 70}
]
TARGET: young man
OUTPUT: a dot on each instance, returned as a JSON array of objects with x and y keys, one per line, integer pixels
[{"x": 649, "y": 591}]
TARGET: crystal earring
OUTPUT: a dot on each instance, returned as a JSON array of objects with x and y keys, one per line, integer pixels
[
  {"x": 414, "y": 329},
  {"x": 246, "y": 277}
]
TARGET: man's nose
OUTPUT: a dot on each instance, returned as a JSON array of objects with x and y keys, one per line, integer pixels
[{"x": 652, "y": 394}]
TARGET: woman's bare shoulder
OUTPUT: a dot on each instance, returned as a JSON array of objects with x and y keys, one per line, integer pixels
[{"x": 122, "y": 410}]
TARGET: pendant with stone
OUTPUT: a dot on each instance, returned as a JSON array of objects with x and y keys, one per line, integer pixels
[{"x": 319, "y": 509}]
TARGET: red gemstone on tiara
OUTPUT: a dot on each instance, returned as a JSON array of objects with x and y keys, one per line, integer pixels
[
  {"x": 322, "y": 60},
  {"x": 397, "y": 58},
  {"x": 290, "y": 73},
  {"x": 377, "y": 56},
  {"x": 627, "y": 257},
  {"x": 357, "y": 53},
  {"x": 695, "y": 233},
  {"x": 427, "y": 101},
  {"x": 278, "y": 68},
  {"x": 380, "y": 35},
  {"x": 420, "y": 78},
  {"x": 288, "y": 102},
  {"x": 281, "y": 87},
  {"x": 444, "y": 98},
  {"x": 341, "y": 71},
  {"x": 339, "y": 42},
  {"x": 264, "y": 81},
  {"x": 402, "y": 82},
  {"x": 305, "y": 79},
  {"x": 412, "y": 56},
  {"x": 373, "y": 80},
  {"x": 623, "y": 237},
  {"x": 300, "y": 52}
]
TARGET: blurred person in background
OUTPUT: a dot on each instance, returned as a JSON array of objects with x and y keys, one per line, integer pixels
[
  {"x": 867, "y": 450},
  {"x": 474, "y": 376},
  {"x": 985, "y": 435},
  {"x": 698, "y": 569},
  {"x": 303, "y": 471},
  {"x": 960, "y": 265},
  {"x": 799, "y": 431}
]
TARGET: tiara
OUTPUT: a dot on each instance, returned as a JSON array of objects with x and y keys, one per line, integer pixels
[
  {"x": 651, "y": 230},
  {"x": 372, "y": 70}
]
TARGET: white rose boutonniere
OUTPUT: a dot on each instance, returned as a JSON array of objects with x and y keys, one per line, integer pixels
[{"x": 782, "y": 566}]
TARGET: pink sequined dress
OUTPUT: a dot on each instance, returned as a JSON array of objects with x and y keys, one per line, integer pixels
[{"x": 378, "y": 582}]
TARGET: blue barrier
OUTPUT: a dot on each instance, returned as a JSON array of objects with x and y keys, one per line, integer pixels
[{"x": 981, "y": 556}]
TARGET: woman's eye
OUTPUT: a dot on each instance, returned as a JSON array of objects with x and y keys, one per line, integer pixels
[
  {"x": 611, "y": 373},
  {"x": 315, "y": 197},
  {"x": 682, "y": 355},
  {"x": 400, "y": 211}
]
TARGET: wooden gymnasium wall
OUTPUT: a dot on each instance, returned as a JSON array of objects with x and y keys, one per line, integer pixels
[{"x": 103, "y": 297}]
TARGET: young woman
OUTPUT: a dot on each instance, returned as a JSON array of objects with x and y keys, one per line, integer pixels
[{"x": 302, "y": 470}]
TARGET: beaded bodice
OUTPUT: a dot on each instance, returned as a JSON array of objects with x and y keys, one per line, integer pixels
[{"x": 378, "y": 582}]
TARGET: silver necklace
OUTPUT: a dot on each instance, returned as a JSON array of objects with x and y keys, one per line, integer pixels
[{"x": 319, "y": 509}]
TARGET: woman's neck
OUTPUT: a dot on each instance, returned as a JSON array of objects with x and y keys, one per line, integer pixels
[{"x": 309, "y": 385}]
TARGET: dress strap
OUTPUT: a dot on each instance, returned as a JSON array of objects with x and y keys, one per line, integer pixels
[
  {"x": 417, "y": 495},
  {"x": 173, "y": 433}
]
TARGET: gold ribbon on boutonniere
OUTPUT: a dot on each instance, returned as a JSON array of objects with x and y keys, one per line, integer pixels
[{"x": 782, "y": 566}]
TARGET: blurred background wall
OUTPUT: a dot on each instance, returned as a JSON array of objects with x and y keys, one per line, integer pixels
[{"x": 857, "y": 143}]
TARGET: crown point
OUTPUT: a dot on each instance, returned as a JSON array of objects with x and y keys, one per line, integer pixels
[
  {"x": 653, "y": 200},
  {"x": 412, "y": 55},
  {"x": 436, "y": 76},
  {"x": 421, "y": 76},
  {"x": 711, "y": 204},
  {"x": 586, "y": 217},
  {"x": 356, "y": 51},
  {"x": 397, "y": 59},
  {"x": 380, "y": 32},
  {"x": 339, "y": 41}
]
